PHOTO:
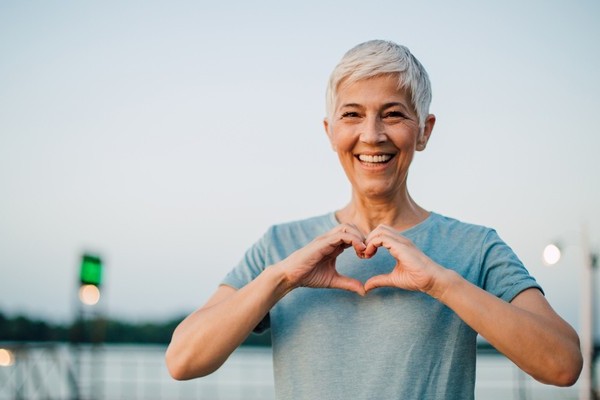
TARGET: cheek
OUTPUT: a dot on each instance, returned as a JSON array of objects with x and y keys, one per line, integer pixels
[
  {"x": 406, "y": 139},
  {"x": 342, "y": 141}
]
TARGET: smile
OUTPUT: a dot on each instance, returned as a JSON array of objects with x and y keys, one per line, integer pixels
[{"x": 375, "y": 159}]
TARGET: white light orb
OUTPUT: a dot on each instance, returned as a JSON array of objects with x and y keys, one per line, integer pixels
[
  {"x": 551, "y": 254},
  {"x": 6, "y": 358},
  {"x": 89, "y": 295}
]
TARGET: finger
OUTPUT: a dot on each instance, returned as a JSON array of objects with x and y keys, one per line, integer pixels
[
  {"x": 331, "y": 244},
  {"x": 374, "y": 242},
  {"x": 353, "y": 230},
  {"x": 375, "y": 239},
  {"x": 350, "y": 235},
  {"x": 346, "y": 283},
  {"x": 378, "y": 281},
  {"x": 387, "y": 238},
  {"x": 359, "y": 248},
  {"x": 338, "y": 250},
  {"x": 341, "y": 243}
]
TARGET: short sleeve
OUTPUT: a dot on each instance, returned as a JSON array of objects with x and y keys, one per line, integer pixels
[
  {"x": 502, "y": 272},
  {"x": 249, "y": 267}
]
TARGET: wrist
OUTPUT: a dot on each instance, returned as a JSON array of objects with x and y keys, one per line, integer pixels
[
  {"x": 443, "y": 284},
  {"x": 281, "y": 282}
]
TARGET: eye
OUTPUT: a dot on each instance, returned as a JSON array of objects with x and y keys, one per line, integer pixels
[
  {"x": 394, "y": 115},
  {"x": 350, "y": 114}
]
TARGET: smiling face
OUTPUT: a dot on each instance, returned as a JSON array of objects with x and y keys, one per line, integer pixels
[{"x": 375, "y": 131}]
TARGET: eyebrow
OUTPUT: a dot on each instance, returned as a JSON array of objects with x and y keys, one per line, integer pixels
[
  {"x": 386, "y": 105},
  {"x": 351, "y": 105},
  {"x": 394, "y": 104}
]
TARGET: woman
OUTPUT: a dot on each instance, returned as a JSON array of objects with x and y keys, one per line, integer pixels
[{"x": 417, "y": 286}]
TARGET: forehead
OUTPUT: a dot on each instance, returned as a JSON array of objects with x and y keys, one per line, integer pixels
[{"x": 372, "y": 91}]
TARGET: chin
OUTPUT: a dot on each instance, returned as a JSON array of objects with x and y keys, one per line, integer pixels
[{"x": 377, "y": 191}]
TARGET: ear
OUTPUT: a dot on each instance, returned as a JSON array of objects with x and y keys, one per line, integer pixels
[
  {"x": 426, "y": 133},
  {"x": 329, "y": 133}
]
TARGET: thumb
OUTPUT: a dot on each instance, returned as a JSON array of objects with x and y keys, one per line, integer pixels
[
  {"x": 378, "y": 281},
  {"x": 346, "y": 283}
]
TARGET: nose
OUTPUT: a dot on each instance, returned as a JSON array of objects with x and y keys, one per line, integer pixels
[{"x": 373, "y": 131}]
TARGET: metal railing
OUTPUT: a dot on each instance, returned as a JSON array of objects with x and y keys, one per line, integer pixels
[
  {"x": 68, "y": 372},
  {"x": 59, "y": 371}
]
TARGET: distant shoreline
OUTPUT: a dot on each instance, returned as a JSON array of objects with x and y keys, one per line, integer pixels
[{"x": 24, "y": 330}]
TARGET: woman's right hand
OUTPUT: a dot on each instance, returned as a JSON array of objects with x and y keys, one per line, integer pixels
[{"x": 314, "y": 264}]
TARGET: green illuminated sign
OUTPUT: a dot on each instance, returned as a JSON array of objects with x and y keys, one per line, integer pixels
[{"x": 91, "y": 270}]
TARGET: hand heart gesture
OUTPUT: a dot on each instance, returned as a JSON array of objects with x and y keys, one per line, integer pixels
[{"x": 314, "y": 264}]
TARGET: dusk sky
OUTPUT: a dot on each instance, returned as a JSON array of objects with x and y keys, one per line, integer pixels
[{"x": 168, "y": 136}]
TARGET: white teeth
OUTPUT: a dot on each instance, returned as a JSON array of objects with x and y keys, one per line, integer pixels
[{"x": 374, "y": 159}]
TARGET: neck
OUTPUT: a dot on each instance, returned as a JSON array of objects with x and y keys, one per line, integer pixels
[{"x": 400, "y": 213}]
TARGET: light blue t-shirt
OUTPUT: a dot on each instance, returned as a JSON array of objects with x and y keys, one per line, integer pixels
[{"x": 391, "y": 344}]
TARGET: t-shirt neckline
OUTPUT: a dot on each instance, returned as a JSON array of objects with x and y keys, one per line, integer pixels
[{"x": 412, "y": 230}]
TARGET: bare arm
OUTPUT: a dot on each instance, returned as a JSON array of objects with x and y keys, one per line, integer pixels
[
  {"x": 527, "y": 330},
  {"x": 205, "y": 339}
]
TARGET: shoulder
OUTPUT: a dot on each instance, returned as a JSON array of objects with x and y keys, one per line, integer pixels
[
  {"x": 455, "y": 227},
  {"x": 307, "y": 227},
  {"x": 289, "y": 236},
  {"x": 440, "y": 231}
]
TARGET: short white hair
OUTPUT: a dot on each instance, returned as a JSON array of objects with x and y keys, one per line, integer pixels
[{"x": 379, "y": 57}]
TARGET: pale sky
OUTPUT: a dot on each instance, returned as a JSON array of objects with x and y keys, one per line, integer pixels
[{"x": 168, "y": 136}]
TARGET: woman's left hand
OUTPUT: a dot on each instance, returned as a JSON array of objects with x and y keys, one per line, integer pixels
[{"x": 413, "y": 270}]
